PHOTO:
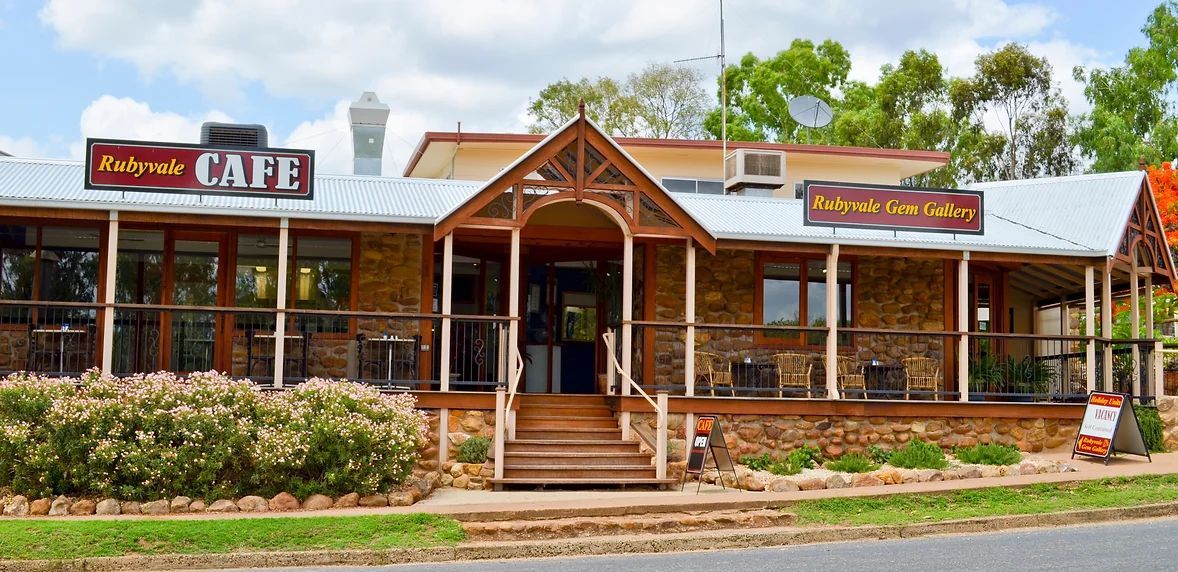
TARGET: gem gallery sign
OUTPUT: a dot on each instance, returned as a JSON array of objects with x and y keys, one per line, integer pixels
[
  {"x": 114, "y": 165},
  {"x": 882, "y": 207}
]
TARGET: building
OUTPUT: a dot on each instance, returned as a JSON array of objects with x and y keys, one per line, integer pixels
[{"x": 584, "y": 265}]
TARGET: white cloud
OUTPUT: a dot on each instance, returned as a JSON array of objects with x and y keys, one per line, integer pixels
[
  {"x": 21, "y": 146},
  {"x": 125, "y": 118},
  {"x": 479, "y": 61}
]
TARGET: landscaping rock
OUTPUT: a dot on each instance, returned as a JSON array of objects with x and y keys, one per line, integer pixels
[
  {"x": 461, "y": 481},
  {"x": 284, "y": 501},
  {"x": 811, "y": 484},
  {"x": 317, "y": 502},
  {"x": 866, "y": 480},
  {"x": 473, "y": 469},
  {"x": 372, "y": 501},
  {"x": 253, "y": 503},
  {"x": 908, "y": 476},
  {"x": 401, "y": 498},
  {"x": 348, "y": 501},
  {"x": 447, "y": 480},
  {"x": 838, "y": 481},
  {"x": 130, "y": 507},
  {"x": 457, "y": 469},
  {"x": 108, "y": 507},
  {"x": 179, "y": 504},
  {"x": 888, "y": 476},
  {"x": 155, "y": 507},
  {"x": 39, "y": 507},
  {"x": 84, "y": 507},
  {"x": 990, "y": 471},
  {"x": 750, "y": 482},
  {"x": 969, "y": 472},
  {"x": 17, "y": 506},
  {"x": 929, "y": 475},
  {"x": 197, "y": 506},
  {"x": 222, "y": 505},
  {"x": 783, "y": 486},
  {"x": 1027, "y": 469},
  {"x": 60, "y": 506}
]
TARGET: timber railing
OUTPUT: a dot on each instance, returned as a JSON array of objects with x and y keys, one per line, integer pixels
[{"x": 659, "y": 403}]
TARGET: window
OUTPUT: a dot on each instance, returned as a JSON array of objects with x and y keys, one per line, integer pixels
[
  {"x": 321, "y": 279},
  {"x": 699, "y": 186},
  {"x": 18, "y": 248},
  {"x": 69, "y": 264},
  {"x": 793, "y": 293}
]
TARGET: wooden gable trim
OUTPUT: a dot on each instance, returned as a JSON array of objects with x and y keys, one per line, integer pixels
[
  {"x": 536, "y": 159},
  {"x": 1146, "y": 209},
  {"x": 652, "y": 190}
]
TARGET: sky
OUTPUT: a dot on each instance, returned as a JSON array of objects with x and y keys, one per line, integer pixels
[{"x": 151, "y": 70}]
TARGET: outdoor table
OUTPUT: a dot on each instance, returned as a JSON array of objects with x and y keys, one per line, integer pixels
[
  {"x": 287, "y": 337},
  {"x": 390, "y": 343},
  {"x": 755, "y": 378},
  {"x": 61, "y": 334},
  {"x": 885, "y": 379}
]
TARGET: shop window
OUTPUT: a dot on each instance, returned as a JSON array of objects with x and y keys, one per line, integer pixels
[
  {"x": 139, "y": 267},
  {"x": 255, "y": 282},
  {"x": 793, "y": 293},
  {"x": 18, "y": 249},
  {"x": 321, "y": 279},
  {"x": 69, "y": 264}
]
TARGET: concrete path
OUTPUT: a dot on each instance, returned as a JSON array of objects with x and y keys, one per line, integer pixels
[{"x": 503, "y": 505}]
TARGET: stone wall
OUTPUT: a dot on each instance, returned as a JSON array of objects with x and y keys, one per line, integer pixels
[
  {"x": 837, "y": 435},
  {"x": 1168, "y": 411},
  {"x": 902, "y": 294}
]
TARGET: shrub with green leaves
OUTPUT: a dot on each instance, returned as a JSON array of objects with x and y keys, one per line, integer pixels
[
  {"x": 852, "y": 463},
  {"x": 157, "y": 435},
  {"x": 878, "y": 454},
  {"x": 473, "y": 450},
  {"x": 988, "y": 454},
  {"x": 791, "y": 465},
  {"x": 806, "y": 457},
  {"x": 918, "y": 454},
  {"x": 1151, "y": 428}
]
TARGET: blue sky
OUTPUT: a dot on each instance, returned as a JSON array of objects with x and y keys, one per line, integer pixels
[{"x": 144, "y": 69}]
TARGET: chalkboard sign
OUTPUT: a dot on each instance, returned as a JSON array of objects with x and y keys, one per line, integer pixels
[
  {"x": 1110, "y": 425},
  {"x": 708, "y": 440}
]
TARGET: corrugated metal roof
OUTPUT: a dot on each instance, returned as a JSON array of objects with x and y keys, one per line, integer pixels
[
  {"x": 1080, "y": 216},
  {"x": 52, "y": 183},
  {"x": 1091, "y": 210}
]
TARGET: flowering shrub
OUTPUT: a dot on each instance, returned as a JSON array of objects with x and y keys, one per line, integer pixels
[{"x": 156, "y": 435}]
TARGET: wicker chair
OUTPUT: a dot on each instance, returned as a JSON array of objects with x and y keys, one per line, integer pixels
[
  {"x": 921, "y": 374},
  {"x": 706, "y": 370},
  {"x": 793, "y": 370},
  {"x": 850, "y": 376}
]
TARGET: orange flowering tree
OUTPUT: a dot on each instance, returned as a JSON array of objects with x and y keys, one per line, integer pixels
[{"x": 1164, "y": 181}]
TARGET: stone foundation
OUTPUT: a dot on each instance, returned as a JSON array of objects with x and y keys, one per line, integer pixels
[{"x": 837, "y": 435}]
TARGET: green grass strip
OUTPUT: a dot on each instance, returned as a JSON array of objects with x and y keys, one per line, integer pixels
[
  {"x": 996, "y": 501},
  {"x": 65, "y": 539}
]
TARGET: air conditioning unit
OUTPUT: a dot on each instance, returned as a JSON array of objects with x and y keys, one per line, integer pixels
[
  {"x": 754, "y": 170},
  {"x": 233, "y": 134}
]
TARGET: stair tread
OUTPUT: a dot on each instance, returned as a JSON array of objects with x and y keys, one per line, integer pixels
[
  {"x": 575, "y": 454},
  {"x": 521, "y": 417},
  {"x": 574, "y": 466},
  {"x": 567, "y": 442},
  {"x": 583, "y": 480}
]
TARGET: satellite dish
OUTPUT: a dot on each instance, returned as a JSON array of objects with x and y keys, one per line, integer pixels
[{"x": 810, "y": 111}]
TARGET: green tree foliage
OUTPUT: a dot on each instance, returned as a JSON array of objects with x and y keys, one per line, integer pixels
[
  {"x": 1133, "y": 114},
  {"x": 663, "y": 101},
  {"x": 759, "y": 90},
  {"x": 1016, "y": 87}
]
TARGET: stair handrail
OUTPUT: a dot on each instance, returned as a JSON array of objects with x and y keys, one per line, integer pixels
[
  {"x": 660, "y": 407},
  {"x": 513, "y": 384},
  {"x": 504, "y": 420}
]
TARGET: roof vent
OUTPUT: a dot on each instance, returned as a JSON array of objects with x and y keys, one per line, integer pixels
[
  {"x": 368, "y": 117},
  {"x": 234, "y": 135}
]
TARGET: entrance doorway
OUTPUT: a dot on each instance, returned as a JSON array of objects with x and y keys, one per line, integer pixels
[{"x": 568, "y": 305}]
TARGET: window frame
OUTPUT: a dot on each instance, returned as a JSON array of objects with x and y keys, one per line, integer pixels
[
  {"x": 803, "y": 260},
  {"x": 697, "y": 181}
]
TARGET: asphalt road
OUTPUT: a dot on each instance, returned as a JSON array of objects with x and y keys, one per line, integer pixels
[{"x": 1138, "y": 546}]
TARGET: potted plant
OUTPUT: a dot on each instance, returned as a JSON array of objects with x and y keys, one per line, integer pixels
[
  {"x": 985, "y": 374},
  {"x": 1029, "y": 378}
]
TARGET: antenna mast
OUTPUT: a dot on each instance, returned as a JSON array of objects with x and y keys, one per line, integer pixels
[{"x": 723, "y": 97}]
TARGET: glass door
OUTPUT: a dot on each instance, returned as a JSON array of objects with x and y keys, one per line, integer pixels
[{"x": 196, "y": 280}]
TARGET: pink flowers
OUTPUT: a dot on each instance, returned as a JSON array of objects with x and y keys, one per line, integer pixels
[{"x": 153, "y": 435}]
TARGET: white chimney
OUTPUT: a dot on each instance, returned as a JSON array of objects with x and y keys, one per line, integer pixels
[{"x": 368, "y": 117}]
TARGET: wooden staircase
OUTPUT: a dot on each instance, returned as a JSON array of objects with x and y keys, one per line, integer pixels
[{"x": 572, "y": 440}]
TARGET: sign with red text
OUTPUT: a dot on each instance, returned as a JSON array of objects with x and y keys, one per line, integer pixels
[
  {"x": 114, "y": 165},
  {"x": 708, "y": 440},
  {"x": 883, "y": 207},
  {"x": 1109, "y": 424}
]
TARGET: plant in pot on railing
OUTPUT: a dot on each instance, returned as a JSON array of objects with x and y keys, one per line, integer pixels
[
  {"x": 1031, "y": 379},
  {"x": 985, "y": 376}
]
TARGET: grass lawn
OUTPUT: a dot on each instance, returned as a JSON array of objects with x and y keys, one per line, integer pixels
[
  {"x": 1035, "y": 499},
  {"x": 64, "y": 539}
]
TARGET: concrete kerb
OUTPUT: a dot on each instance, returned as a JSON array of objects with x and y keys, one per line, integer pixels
[{"x": 638, "y": 543}]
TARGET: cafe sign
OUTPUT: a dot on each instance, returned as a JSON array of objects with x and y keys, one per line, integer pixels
[
  {"x": 115, "y": 165},
  {"x": 883, "y": 207}
]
